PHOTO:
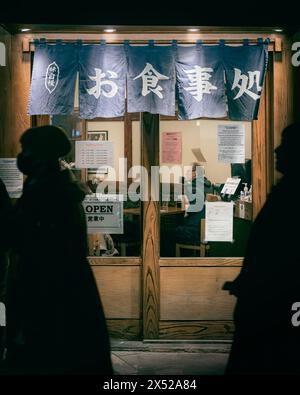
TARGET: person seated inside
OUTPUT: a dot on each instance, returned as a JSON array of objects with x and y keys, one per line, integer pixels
[{"x": 196, "y": 186}]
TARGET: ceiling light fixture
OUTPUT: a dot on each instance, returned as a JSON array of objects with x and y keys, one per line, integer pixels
[
  {"x": 278, "y": 30},
  {"x": 25, "y": 30},
  {"x": 193, "y": 30},
  {"x": 109, "y": 30}
]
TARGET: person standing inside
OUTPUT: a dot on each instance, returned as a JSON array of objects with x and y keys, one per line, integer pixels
[
  {"x": 55, "y": 319},
  {"x": 195, "y": 192}
]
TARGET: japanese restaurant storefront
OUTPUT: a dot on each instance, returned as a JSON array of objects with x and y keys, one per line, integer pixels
[{"x": 157, "y": 286}]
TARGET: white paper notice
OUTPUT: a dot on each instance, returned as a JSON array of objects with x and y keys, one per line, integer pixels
[
  {"x": 11, "y": 176},
  {"x": 219, "y": 221},
  {"x": 94, "y": 154},
  {"x": 230, "y": 186},
  {"x": 171, "y": 147},
  {"x": 231, "y": 143},
  {"x": 2, "y": 314}
]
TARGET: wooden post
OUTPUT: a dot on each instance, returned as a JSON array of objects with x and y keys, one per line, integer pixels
[{"x": 150, "y": 213}]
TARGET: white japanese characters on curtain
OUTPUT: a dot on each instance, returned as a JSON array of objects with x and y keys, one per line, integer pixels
[{"x": 212, "y": 81}]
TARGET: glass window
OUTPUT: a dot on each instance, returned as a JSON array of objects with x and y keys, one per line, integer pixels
[
  {"x": 188, "y": 144},
  {"x": 114, "y": 224}
]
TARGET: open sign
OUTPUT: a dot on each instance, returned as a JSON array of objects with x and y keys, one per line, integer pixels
[{"x": 103, "y": 216}]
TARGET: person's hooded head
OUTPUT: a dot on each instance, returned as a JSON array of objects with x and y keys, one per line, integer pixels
[
  {"x": 287, "y": 152},
  {"x": 41, "y": 148}
]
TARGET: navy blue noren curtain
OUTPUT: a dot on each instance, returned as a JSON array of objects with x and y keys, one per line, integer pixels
[
  {"x": 245, "y": 69},
  {"x": 200, "y": 82},
  {"x": 102, "y": 77},
  {"x": 53, "y": 80},
  {"x": 151, "y": 79}
]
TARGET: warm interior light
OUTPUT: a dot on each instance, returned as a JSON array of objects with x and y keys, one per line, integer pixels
[
  {"x": 278, "y": 30},
  {"x": 109, "y": 30},
  {"x": 25, "y": 30},
  {"x": 193, "y": 30}
]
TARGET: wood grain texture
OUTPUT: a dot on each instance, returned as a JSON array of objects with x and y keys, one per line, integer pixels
[
  {"x": 120, "y": 290},
  {"x": 195, "y": 293},
  {"x": 283, "y": 87},
  {"x": 212, "y": 37},
  {"x": 200, "y": 262},
  {"x": 259, "y": 157},
  {"x": 20, "y": 87},
  {"x": 114, "y": 261},
  {"x": 5, "y": 95},
  {"x": 150, "y": 215},
  {"x": 296, "y": 82},
  {"x": 125, "y": 329},
  {"x": 128, "y": 141},
  {"x": 196, "y": 330}
]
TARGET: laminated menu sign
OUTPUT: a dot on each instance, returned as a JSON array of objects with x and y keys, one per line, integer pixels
[
  {"x": 94, "y": 154},
  {"x": 230, "y": 186},
  {"x": 104, "y": 214},
  {"x": 219, "y": 221},
  {"x": 231, "y": 143},
  {"x": 11, "y": 176}
]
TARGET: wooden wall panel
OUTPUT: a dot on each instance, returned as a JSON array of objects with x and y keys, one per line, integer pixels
[
  {"x": 125, "y": 329},
  {"x": 120, "y": 290},
  {"x": 283, "y": 88},
  {"x": 296, "y": 81},
  {"x": 196, "y": 330},
  {"x": 20, "y": 86},
  {"x": 196, "y": 293},
  {"x": 5, "y": 94}
]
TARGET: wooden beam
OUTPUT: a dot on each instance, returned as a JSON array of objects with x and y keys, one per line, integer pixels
[
  {"x": 232, "y": 38},
  {"x": 150, "y": 214},
  {"x": 259, "y": 158},
  {"x": 128, "y": 141},
  {"x": 203, "y": 262},
  {"x": 114, "y": 261},
  {"x": 278, "y": 44},
  {"x": 283, "y": 88}
]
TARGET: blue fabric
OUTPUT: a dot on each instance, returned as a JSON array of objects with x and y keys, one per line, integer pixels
[
  {"x": 53, "y": 80},
  {"x": 151, "y": 79},
  {"x": 200, "y": 82},
  {"x": 102, "y": 76},
  {"x": 245, "y": 69}
]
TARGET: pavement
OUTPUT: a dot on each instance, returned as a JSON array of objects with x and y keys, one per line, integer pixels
[{"x": 169, "y": 357}]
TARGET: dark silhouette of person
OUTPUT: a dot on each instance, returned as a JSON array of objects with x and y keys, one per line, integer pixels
[
  {"x": 265, "y": 339},
  {"x": 55, "y": 319}
]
